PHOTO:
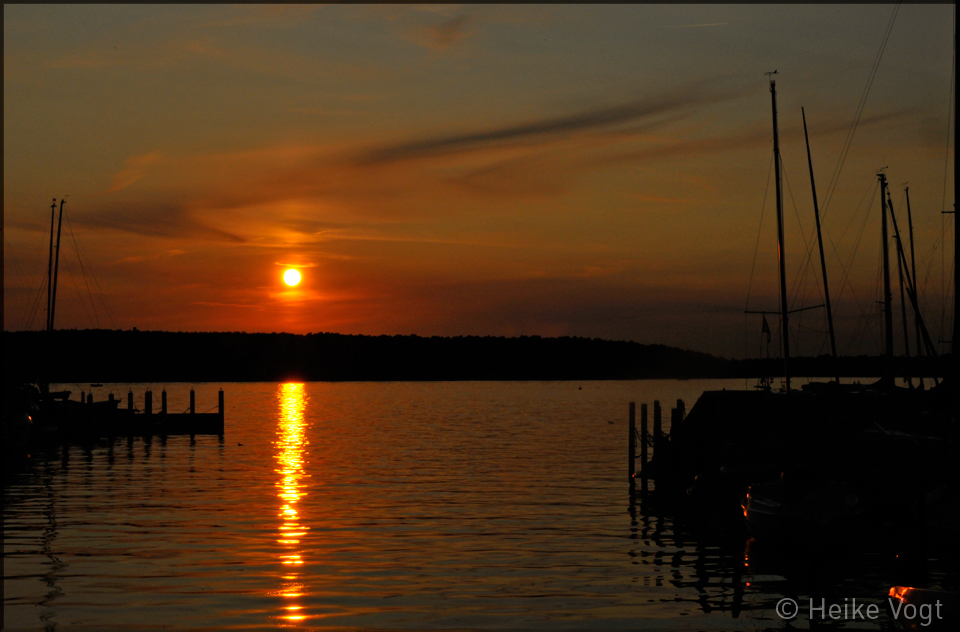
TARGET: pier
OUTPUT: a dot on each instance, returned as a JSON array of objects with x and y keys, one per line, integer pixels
[
  {"x": 819, "y": 458},
  {"x": 60, "y": 417},
  {"x": 658, "y": 440}
]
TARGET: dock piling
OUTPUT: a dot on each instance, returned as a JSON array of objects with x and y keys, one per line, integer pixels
[
  {"x": 193, "y": 401},
  {"x": 220, "y": 404},
  {"x": 130, "y": 400},
  {"x": 643, "y": 445},
  {"x": 148, "y": 403},
  {"x": 657, "y": 429},
  {"x": 632, "y": 443},
  {"x": 163, "y": 402}
]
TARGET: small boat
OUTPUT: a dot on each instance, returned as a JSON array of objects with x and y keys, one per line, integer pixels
[{"x": 801, "y": 503}]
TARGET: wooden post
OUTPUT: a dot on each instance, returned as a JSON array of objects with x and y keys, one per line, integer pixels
[
  {"x": 83, "y": 397},
  {"x": 657, "y": 431},
  {"x": 90, "y": 397},
  {"x": 632, "y": 443},
  {"x": 163, "y": 401},
  {"x": 193, "y": 401},
  {"x": 221, "y": 408},
  {"x": 643, "y": 445},
  {"x": 148, "y": 403},
  {"x": 130, "y": 400}
]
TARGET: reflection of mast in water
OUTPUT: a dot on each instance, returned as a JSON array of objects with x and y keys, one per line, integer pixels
[
  {"x": 56, "y": 565},
  {"x": 291, "y": 451}
]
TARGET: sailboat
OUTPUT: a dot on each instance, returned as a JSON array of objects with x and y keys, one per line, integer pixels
[
  {"x": 819, "y": 456},
  {"x": 53, "y": 412}
]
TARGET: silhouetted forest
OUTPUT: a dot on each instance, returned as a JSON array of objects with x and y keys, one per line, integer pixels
[{"x": 158, "y": 356}]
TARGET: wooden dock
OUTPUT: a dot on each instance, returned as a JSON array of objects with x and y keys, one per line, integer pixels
[{"x": 87, "y": 419}]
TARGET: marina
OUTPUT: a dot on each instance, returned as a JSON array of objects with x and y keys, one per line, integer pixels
[{"x": 446, "y": 520}]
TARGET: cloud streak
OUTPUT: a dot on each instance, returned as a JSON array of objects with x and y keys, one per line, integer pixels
[
  {"x": 161, "y": 220},
  {"x": 554, "y": 127}
]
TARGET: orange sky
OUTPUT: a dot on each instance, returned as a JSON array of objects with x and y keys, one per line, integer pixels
[{"x": 487, "y": 170}]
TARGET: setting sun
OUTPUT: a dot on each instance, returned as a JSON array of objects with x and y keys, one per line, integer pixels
[{"x": 291, "y": 277}]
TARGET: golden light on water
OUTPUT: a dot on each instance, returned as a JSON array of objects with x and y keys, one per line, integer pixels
[{"x": 291, "y": 453}]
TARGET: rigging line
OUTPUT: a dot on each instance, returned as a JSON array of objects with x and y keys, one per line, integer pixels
[
  {"x": 80, "y": 297},
  {"x": 83, "y": 270},
  {"x": 871, "y": 189},
  {"x": 756, "y": 248},
  {"x": 100, "y": 293},
  {"x": 31, "y": 313},
  {"x": 831, "y": 187},
  {"x": 804, "y": 269},
  {"x": 786, "y": 181},
  {"x": 946, "y": 162},
  {"x": 844, "y": 282}
]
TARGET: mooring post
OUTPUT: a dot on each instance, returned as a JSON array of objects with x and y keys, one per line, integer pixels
[
  {"x": 163, "y": 401},
  {"x": 643, "y": 445},
  {"x": 632, "y": 444},
  {"x": 676, "y": 420},
  {"x": 657, "y": 429},
  {"x": 130, "y": 400},
  {"x": 148, "y": 403},
  {"x": 110, "y": 397},
  {"x": 90, "y": 397},
  {"x": 83, "y": 397},
  {"x": 220, "y": 405},
  {"x": 193, "y": 401}
]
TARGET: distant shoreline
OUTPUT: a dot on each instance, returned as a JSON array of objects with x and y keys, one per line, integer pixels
[{"x": 155, "y": 356}]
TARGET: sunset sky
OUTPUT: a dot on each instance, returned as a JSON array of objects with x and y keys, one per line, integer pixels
[{"x": 596, "y": 171}]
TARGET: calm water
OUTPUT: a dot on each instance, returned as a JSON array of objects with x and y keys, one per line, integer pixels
[{"x": 481, "y": 505}]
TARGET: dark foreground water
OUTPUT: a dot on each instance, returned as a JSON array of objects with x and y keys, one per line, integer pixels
[{"x": 482, "y": 505}]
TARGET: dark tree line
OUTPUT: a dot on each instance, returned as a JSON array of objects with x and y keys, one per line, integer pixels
[{"x": 141, "y": 356}]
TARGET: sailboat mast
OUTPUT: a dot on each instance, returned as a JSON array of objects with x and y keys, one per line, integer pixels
[
  {"x": 887, "y": 297},
  {"x": 56, "y": 268},
  {"x": 53, "y": 212},
  {"x": 913, "y": 270},
  {"x": 903, "y": 306},
  {"x": 783, "y": 271},
  {"x": 823, "y": 261},
  {"x": 911, "y": 290}
]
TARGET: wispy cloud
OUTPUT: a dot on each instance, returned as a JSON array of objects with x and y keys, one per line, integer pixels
[
  {"x": 442, "y": 36},
  {"x": 550, "y": 127},
  {"x": 164, "y": 220},
  {"x": 136, "y": 168},
  {"x": 696, "y": 26}
]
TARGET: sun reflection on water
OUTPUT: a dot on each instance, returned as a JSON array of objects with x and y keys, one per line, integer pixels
[{"x": 291, "y": 451}]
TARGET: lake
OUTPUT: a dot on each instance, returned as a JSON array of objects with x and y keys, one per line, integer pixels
[{"x": 424, "y": 505}]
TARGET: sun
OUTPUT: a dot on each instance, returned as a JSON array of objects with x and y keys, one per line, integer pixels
[{"x": 291, "y": 277}]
